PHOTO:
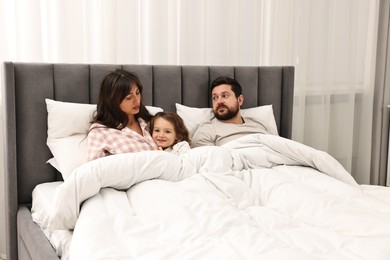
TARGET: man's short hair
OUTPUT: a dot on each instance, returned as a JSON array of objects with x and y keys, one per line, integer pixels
[{"x": 235, "y": 85}]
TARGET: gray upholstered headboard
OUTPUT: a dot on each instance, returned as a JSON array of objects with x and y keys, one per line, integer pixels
[{"x": 28, "y": 84}]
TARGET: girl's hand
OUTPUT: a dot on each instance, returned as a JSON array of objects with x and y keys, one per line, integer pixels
[{"x": 159, "y": 148}]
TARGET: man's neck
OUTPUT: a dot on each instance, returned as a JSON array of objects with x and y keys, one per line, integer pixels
[{"x": 238, "y": 120}]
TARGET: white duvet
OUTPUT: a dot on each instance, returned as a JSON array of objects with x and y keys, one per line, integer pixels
[{"x": 259, "y": 197}]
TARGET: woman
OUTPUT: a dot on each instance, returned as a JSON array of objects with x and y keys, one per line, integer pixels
[{"x": 121, "y": 122}]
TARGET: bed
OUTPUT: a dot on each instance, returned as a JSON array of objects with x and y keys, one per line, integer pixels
[{"x": 257, "y": 197}]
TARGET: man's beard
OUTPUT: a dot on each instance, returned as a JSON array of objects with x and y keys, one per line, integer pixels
[{"x": 229, "y": 114}]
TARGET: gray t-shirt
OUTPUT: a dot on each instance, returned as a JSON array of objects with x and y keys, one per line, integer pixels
[{"x": 215, "y": 132}]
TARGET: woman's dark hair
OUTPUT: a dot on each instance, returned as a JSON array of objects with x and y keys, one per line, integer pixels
[
  {"x": 182, "y": 133},
  {"x": 235, "y": 85},
  {"x": 115, "y": 87}
]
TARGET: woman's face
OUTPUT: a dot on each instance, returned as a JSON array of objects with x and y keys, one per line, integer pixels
[
  {"x": 163, "y": 133},
  {"x": 131, "y": 103}
]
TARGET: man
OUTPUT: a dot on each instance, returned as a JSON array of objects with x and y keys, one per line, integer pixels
[{"x": 228, "y": 124}]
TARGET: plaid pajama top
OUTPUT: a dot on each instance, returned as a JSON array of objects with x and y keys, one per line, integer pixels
[{"x": 103, "y": 141}]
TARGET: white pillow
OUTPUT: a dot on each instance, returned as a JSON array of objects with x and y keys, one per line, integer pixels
[
  {"x": 262, "y": 114},
  {"x": 68, "y": 153},
  {"x": 68, "y": 124},
  {"x": 66, "y": 119},
  {"x": 193, "y": 116}
]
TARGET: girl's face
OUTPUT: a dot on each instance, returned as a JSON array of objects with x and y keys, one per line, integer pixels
[
  {"x": 131, "y": 103},
  {"x": 163, "y": 133}
]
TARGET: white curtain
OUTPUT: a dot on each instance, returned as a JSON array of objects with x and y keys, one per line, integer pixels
[{"x": 331, "y": 43}]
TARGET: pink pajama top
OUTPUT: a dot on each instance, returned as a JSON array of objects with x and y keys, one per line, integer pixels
[{"x": 103, "y": 141}]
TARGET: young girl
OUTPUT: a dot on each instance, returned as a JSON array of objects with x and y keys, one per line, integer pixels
[
  {"x": 120, "y": 124},
  {"x": 170, "y": 133}
]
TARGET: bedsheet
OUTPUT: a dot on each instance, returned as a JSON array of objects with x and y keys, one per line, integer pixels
[
  {"x": 258, "y": 197},
  {"x": 42, "y": 200}
]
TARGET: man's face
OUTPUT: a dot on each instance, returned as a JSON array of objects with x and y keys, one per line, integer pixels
[{"x": 225, "y": 103}]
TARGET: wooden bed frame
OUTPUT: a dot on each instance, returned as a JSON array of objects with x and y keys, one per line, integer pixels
[{"x": 26, "y": 85}]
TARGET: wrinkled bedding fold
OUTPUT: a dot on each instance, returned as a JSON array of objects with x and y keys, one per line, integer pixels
[{"x": 260, "y": 196}]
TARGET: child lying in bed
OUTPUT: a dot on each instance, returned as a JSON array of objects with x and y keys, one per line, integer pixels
[{"x": 170, "y": 133}]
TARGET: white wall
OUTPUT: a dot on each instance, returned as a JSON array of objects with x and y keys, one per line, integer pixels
[{"x": 2, "y": 187}]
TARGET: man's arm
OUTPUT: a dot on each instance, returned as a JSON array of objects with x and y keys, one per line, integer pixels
[{"x": 203, "y": 136}]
